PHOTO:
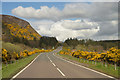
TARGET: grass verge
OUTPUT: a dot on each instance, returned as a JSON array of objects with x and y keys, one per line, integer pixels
[
  {"x": 98, "y": 66},
  {"x": 11, "y": 69}
]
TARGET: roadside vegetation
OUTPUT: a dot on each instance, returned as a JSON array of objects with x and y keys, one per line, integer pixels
[
  {"x": 10, "y": 70},
  {"x": 12, "y": 52},
  {"x": 98, "y": 55},
  {"x": 91, "y": 45},
  {"x": 16, "y": 56},
  {"x": 95, "y": 65}
]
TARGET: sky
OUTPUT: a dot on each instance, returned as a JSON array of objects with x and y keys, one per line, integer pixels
[{"x": 81, "y": 20}]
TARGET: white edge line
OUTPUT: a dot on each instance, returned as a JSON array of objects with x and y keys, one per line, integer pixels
[
  {"x": 24, "y": 68},
  {"x": 61, "y": 72},
  {"x": 85, "y": 67}
]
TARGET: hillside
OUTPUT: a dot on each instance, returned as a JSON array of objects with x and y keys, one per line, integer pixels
[
  {"x": 17, "y": 30},
  {"x": 17, "y": 27}
]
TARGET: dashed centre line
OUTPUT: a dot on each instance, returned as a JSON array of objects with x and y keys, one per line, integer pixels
[
  {"x": 50, "y": 61},
  {"x": 60, "y": 72},
  {"x": 53, "y": 64},
  {"x": 56, "y": 67}
]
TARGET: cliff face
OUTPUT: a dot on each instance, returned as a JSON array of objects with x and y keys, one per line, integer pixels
[{"x": 17, "y": 30}]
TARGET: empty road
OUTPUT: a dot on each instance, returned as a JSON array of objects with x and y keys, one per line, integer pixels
[{"x": 48, "y": 65}]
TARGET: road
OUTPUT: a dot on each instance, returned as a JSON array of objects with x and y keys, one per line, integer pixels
[{"x": 48, "y": 65}]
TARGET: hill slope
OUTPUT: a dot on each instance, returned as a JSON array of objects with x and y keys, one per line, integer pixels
[
  {"x": 13, "y": 26},
  {"x": 17, "y": 30}
]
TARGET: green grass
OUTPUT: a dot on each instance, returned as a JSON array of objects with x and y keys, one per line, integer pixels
[
  {"x": 11, "y": 69},
  {"x": 15, "y": 47},
  {"x": 0, "y": 74},
  {"x": 11, "y": 47},
  {"x": 98, "y": 66},
  {"x": 108, "y": 70}
]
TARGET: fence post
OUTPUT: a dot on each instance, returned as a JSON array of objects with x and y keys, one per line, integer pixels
[
  {"x": 105, "y": 64},
  {"x": 115, "y": 66},
  {"x": 95, "y": 62}
]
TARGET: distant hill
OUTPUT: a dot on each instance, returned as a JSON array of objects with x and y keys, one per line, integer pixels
[{"x": 17, "y": 30}]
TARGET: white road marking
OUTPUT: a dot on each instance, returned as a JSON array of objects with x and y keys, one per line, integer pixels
[
  {"x": 85, "y": 67},
  {"x": 56, "y": 67},
  {"x": 53, "y": 64},
  {"x": 61, "y": 72},
  {"x": 24, "y": 68},
  {"x": 49, "y": 59}
]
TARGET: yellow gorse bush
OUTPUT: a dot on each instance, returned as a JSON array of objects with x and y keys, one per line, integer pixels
[
  {"x": 113, "y": 54},
  {"x": 6, "y": 57},
  {"x": 4, "y": 54},
  {"x": 25, "y": 32}
]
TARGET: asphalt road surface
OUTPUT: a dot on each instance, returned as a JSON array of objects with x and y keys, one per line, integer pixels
[{"x": 48, "y": 65}]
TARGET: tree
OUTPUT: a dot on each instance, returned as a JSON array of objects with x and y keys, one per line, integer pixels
[
  {"x": 25, "y": 41},
  {"x": 47, "y": 42},
  {"x": 72, "y": 42}
]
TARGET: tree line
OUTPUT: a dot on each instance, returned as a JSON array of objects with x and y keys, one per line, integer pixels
[
  {"x": 44, "y": 42},
  {"x": 105, "y": 44}
]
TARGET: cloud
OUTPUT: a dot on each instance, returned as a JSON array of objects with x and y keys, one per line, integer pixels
[
  {"x": 43, "y": 13},
  {"x": 79, "y": 24},
  {"x": 108, "y": 28},
  {"x": 106, "y": 37},
  {"x": 62, "y": 32},
  {"x": 80, "y": 29},
  {"x": 94, "y": 11}
]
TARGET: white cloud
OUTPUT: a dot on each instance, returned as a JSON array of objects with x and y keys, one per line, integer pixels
[
  {"x": 63, "y": 29},
  {"x": 43, "y": 13},
  {"x": 62, "y": 32},
  {"x": 94, "y": 11},
  {"x": 79, "y": 24}
]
